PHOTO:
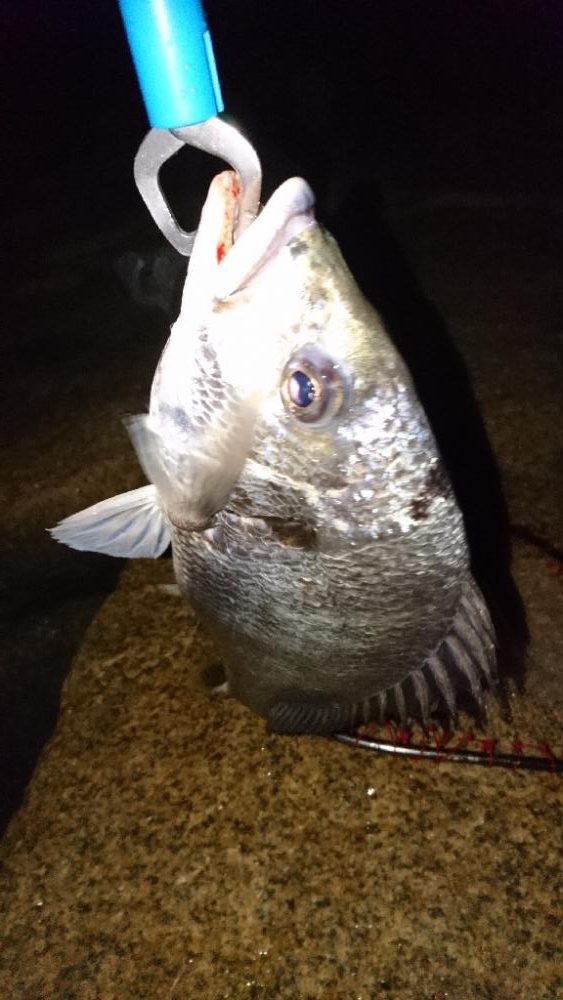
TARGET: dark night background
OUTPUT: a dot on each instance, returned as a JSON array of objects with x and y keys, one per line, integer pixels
[
  {"x": 368, "y": 101},
  {"x": 449, "y": 91}
]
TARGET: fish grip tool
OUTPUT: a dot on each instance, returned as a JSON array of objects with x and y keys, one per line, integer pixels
[{"x": 173, "y": 55}]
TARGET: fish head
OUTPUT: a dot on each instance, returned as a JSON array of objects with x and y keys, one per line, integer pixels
[
  {"x": 279, "y": 392},
  {"x": 279, "y": 395}
]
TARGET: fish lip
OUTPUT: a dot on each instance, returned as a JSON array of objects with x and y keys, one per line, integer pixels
[{"x": 287, "y": 214}]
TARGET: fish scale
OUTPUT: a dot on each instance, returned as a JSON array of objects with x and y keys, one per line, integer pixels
[{"x": 274, "y": 605}]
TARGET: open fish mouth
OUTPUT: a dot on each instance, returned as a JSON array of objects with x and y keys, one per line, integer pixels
[{"x": 288, "y": 212}]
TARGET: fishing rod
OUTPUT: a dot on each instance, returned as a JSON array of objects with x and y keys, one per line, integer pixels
[{"x": 458, "y": 755}]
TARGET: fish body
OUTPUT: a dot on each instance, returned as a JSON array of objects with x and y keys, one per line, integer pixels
[{"x": 293, "y": 469}]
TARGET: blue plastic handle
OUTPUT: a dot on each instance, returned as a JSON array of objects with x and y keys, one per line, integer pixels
[{"x": 173, "y": 55}]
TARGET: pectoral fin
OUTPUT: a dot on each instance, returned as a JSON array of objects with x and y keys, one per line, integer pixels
[
  {"x": 131, "y": 526},
  {"x": 195, "y": 482}
]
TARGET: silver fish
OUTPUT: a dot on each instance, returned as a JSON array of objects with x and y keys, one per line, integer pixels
[{"x": 293, "y": 470}]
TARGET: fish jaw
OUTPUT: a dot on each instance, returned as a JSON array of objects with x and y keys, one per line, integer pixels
[
  {"x": 218, "y": 267},
  {"x": 230, "y": 297}
]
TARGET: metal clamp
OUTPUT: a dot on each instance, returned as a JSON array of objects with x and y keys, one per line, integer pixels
[{"x": 214, "y": 136}]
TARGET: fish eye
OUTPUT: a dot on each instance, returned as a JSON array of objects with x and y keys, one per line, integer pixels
[
  {"x": 312, "y": 386},
  {"x": 301, "y": 389}
]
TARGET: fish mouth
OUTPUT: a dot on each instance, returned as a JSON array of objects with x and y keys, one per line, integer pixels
[{"x": 285, "y": 216}]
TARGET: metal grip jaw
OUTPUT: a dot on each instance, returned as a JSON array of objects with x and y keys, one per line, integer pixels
[
  {"x": 214, "y": 136},
  {"x": 173, "y": 56}
]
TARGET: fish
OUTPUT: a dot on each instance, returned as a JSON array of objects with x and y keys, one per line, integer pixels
[{"x": 294, "y": 472}]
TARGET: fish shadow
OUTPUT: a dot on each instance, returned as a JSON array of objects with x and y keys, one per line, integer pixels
[
  {"x": 50, "y": 596},
  {"x": 444, "y": 389}
]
